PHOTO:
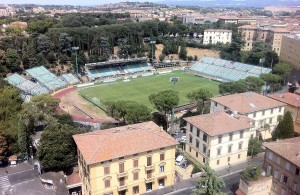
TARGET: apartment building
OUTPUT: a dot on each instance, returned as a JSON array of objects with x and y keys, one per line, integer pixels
[
  {"x": 214, "y": 36},
  {"x": 129, "y": 160},
  {"x": 237, "y": 20},
  {"x": 263, "y": 110},
  {"x": 290, "y": 50},
  {"x": 218, "y": 138},
  {"x": 282, "y": 161},
  {"x": 271, "y": 36}
]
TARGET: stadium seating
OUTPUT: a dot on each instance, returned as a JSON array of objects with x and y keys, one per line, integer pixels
[
  {"x": 46, "y": 78},
  {"x": 70, "y": 78},
  {"x": 225, "y": 70},
  {"x": 26, "y": 86}
]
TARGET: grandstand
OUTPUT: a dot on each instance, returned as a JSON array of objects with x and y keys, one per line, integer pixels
[
  {"x": 224, "y": 70},
  {"x": 70, "y": 79},
  {"x": 116, "y": 68},
  {"x": 26, "y": 86},
  {"x": 46, "y": 78}
]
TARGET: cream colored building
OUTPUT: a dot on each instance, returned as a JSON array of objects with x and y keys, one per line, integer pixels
[
  {"x": 129, "y": 160},
  {"x": 271, "y": 36},
  {"x": 218, "y": 138},
  {"x": 262, "y": 109},
  {"x": 262, "y": 186},
  {"x": 290, "y": 50},
  {"x": 214, "y": 36}
]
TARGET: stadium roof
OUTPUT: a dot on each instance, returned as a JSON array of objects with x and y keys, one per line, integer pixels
[
  {"x": 113, "y": 62},
  {"x": 103, "y": 145}
]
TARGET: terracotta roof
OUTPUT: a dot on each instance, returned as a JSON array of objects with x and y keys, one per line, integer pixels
[
  {"x": 247, "y": 102},
  {"x": 288, "y": 149},
  {"x": 279, "y": 30},
  {"x": 239, "y": 192},
  {"x": 73, "y": 179},
  {"x": 218, "y": 123},
  {"x": 103, "y": 145},
  {"x": 288, "y": 98},
  {"x": 247, "y": 27}
]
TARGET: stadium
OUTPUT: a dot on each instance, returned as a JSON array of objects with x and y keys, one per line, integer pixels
[{"x": 132, "y": 79}]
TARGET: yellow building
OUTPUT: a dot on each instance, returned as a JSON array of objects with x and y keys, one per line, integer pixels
[
  {"x": 290, "y": 50},
  {"x": 126, "y": 160},
  {"x": 219, "y": 139}
]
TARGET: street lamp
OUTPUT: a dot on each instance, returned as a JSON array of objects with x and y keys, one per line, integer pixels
[
  {"x": 152, "y": 43},
  {"x": 75, "y": 49},
  {"x": 173, "y": 80}
]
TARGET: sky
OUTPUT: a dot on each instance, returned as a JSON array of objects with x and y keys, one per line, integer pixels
[{"x": 62, "y": 2}]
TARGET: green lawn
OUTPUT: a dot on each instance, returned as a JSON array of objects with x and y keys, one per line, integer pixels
[{"x": 139, "y": 89}]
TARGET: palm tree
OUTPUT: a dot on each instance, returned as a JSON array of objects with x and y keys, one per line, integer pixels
[{"x": 210, "y": 183}]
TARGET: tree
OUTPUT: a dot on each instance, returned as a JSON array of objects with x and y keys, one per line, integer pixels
[
  {"x": 57, "y": 148},
  {"x": 164, "y": 101},
  {"x": 271, "y": 58},
  {"x": 12, "y": 60},
  {"x": 285, "y": 127},
  {"x": 254, "y": 84},
  {"x": 258, "y": 52},
  {"x": 200, "y": 96},
  {"x": 233, "y": 87},
  {"x": 283, "y": 69},
  {"x": 65, "y": 43},
  {"x": 43, "y": 44},
  {"x": 39, "y": 26},
  {"x": 270, "y": 79},
  {"x": 210, "y": 183},
  {"x": 183, "y": 52},
  {"x": 254, "y": 147}
]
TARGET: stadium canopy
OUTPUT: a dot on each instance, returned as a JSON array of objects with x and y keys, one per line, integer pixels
[{"x": 116, "y": 62}]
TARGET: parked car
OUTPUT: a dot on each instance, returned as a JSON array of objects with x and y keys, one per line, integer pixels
[
  {"x": 179, "y": 160},
  {"x": 176, "y": 133},
  {"x": 183, "y": 139}
]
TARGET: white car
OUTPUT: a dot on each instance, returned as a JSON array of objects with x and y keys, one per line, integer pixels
[
  {"x": 179, "y": 160},
  {"x": 183, "y": 139}
]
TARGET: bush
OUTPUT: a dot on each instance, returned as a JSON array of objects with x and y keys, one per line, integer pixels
[{"x": 196, "y": 169}]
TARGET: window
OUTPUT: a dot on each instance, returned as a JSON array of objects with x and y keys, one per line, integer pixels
[
  {"x": 204, "y": 137},
  {"x": 135, "y": 163},
  {"x": 230, "y": 136},
  {"x": 191, "y": 139},
  {"x": 106, "y": 170},
  {"x": 219, "y": 151},
  {"x": 280, "y": 109},
  {"x": 228, "y": 159},
  {"x": 297, "y": 171},
  {"x": 107, "y": 183},
  {"x": 149, "y": 161},
  {"x": 162, "y": 156},
  {"x": 278, "y": 160},
  {"x": 218, "y": 162},
  {"x": 294, "y": 187},
  {"x": 198, "y": 133},
  {"x": 263, "y": 113},
  {"x": 191, "y": 128},
  {"x": 272, "y": 111},
  {"x": 197, "y": 154},
  {"x": 220, "y": 139},
  {"x": 161, "y": 182},
  {"x": 136, "y": 175},
  {"x": 254, "y": 114},
  {"x": 229, "y": 148},
  {"x": 135, "y": 190},
  {"x": 190, "y": 149},
  {"x": 197, "y": 143},
  {"x": 273, "y": 185},
  {"x": 284, "y": 179},
  {"x": 276, "y": 174},
  {"x": 203, "y": 160},
  {"x": 240, "y": 145},
  {"x": 241, "y": 134},
  {"x": 239, "y": 156},
  {"x": 282, "y": 191},
  {"x": 216, "y": 103},
  {"x": 121, "y": 168},
  {"x": 270, "y": 155},
  {"x": 162, "y": 169},
  {"x": 204, "y": 149},
  {"x": 122, "y": 181},
  {"x": 270, "y": 120},
  {"x": 287, "y": 166}
]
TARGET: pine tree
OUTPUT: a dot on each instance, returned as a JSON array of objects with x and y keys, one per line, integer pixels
[
  {"x": 285, "y": 127},
  {"x": 183, "y": 52}
]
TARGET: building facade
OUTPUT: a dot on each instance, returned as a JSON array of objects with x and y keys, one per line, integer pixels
[
  {"x": 131, "y": 159},
  {"x": 262, "y": 186},
  {"x": 214, "y": 36},
  {"x": 282, "y": 161},
  {"x": 264, "y": 111},
  {"x": 218, "y": 138},
  {"x": 290, "y": 50}
]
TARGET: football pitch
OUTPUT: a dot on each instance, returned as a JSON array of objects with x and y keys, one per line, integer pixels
[{"x": 139, "y": 89}]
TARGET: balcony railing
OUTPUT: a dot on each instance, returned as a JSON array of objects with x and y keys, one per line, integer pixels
[
  {"x": 150, "y": 179},
  {"x": 122, "y": 187},
  {"x": 124, "y": 174},
  {"x": 149, "y": 167}
]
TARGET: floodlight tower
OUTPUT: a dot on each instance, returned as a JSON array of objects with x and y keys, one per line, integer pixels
[
  {"x": 152, "y": 43},
  {"x": 76, "y": 64},
  {"x": 173, "y": 80}
]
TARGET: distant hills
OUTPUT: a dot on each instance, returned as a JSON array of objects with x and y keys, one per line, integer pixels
[{"x": 231, "y": 3}]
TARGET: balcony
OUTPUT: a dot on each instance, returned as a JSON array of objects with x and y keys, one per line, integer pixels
[
  {"x": 149, "y": 167},
  {"x": 123, "y": 187},
  {"x": 124, "y": 174},
  {"x": 150, "y": 179}
]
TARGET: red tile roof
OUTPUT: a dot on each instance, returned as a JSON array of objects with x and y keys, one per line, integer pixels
[
  {"x": 247, "y": 102},
  {"x": 288, "y": 149},
  {"x": 288, "y": 98},
  {"x": 73, "y": 179},
  {"x": 218, "y": 123},
  {"x": 103, "y": 145}
]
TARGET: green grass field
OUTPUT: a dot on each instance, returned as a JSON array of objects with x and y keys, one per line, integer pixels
[{"x": 140, "y": 88}]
